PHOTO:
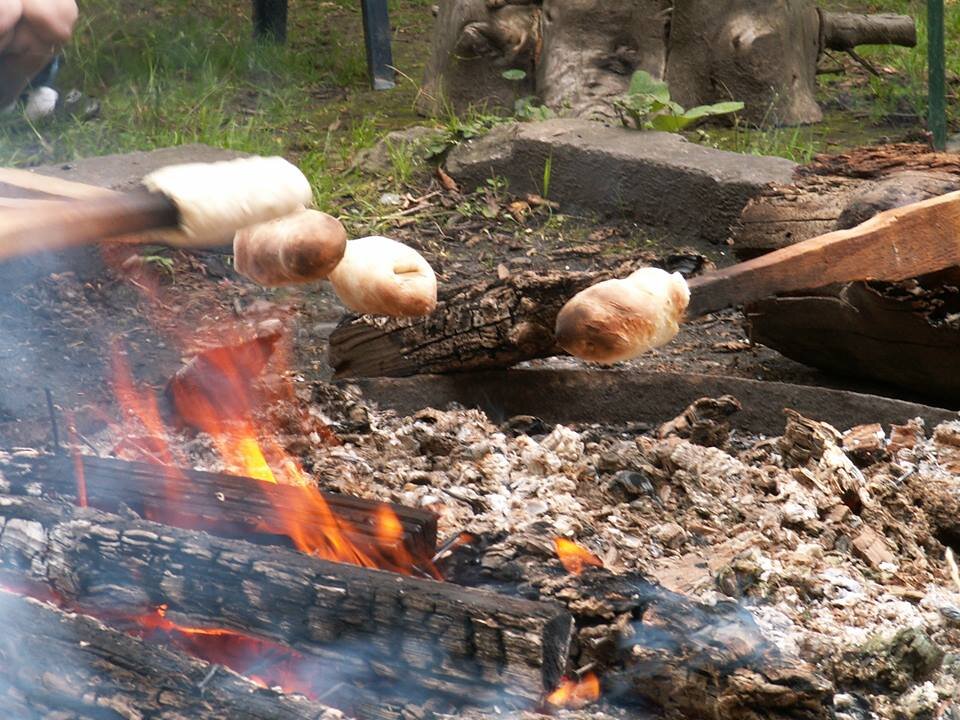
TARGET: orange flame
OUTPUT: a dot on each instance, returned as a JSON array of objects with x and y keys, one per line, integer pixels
[
  {"x": 575, "y": 558},
  {"x": 309, "y": 521},
  {"x": 574, "y": 693}
]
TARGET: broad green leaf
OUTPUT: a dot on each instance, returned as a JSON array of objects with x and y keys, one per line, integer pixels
[
  {"x": 702, "y": 111},
  {"x": 514, "y": 74},
  {"x": 669, "y": 123},
  {"x": 643, "y": 83}
]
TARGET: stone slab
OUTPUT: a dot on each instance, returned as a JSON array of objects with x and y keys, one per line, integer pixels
[
  {"x": 664, "y": 182},
  {"x": 123, "y": 171},
  {"x": 620, "y": 397}
]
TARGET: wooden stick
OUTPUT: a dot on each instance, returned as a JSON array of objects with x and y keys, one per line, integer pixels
[
  {"x": 897, "y": 244},
  {"x": 75, "y": 223},
  {"x": 23, "y": 183}
]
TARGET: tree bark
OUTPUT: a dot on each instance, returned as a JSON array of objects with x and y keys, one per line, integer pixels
[
  {"x": 413, "y": 638},
  {"x": 578, "y": 55},
  {"x": 57, "y": 664}
]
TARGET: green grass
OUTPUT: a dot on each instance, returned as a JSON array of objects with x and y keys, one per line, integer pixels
[
  {"x": 173, "y": 72},
  {"x": 176, "y": 72}
]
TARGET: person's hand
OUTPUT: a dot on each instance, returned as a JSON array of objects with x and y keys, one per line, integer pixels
[{"x": 31, "y": 33}]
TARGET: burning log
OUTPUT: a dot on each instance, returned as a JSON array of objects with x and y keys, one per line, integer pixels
[
  {"x": 225, "y": 505},
  {"x": 57, "y": 664},
  {"x": 486, "y": 325},
  {"x": 381, "y": 629}
]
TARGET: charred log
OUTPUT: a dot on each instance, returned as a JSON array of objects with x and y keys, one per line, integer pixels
[
  {"x": 58, "y": 664},
  {"x": 224, "y": 505},
  {"x": 384, "y": 630}
]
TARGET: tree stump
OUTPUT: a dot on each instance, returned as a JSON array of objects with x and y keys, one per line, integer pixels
[{"x": 579, "y": 55}]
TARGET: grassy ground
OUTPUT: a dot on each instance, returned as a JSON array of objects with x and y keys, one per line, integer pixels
[{"x": 174, "y": 71}]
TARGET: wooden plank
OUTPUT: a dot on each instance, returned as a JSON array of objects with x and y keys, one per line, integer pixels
[
  {"x": 897, "y": 244},
  {"x": 23, "y": 183},
  {"x": 225, "y": 505},
  {"x": 387, "y": 632}
]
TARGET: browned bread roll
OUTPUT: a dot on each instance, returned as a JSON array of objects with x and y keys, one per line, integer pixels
[
  {"x": 297, "y": 248},
  {"x": 618, "y": 320}
]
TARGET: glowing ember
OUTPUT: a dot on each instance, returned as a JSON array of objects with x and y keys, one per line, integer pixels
[
  {"x": 574, "y": 693},
  {"x": 575, "y": 558}
]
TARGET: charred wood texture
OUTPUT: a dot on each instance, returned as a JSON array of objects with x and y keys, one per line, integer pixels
[
  {"x": 378, "y": 628},
  {"x": 55, "y": 664},
  {"x": 706, "y": 662},
  {"x": 578, "y": 55},
  {"x": 478, "y": 326},
  {"x": 224, "y": 505},
  {"x": 904, "y": 334}
]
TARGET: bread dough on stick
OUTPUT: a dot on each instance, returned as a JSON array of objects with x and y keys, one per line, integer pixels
[
  {"x": 380, "y": 276},
  {"x": 298, "y": 248},
  {"x": 214, "y": 199},
  {"x": 618, "y": 320}
]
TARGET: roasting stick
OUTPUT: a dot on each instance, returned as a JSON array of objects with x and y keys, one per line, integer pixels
[
  {"x": 204, "y": 203},
  {"x": 897, "y": 244},
  {"x": 620, "y": 319}
]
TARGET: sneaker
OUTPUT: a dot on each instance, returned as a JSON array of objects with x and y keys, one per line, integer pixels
[{"x": 40, "y": 103}]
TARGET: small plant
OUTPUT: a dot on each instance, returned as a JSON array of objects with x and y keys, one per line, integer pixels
[
  {"x": 647, "y": 106},
  {"x": 161, "y": 262},
  {"x": 527, "y": 107}
]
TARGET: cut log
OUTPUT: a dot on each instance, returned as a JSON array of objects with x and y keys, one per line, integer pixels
[
  {"x": 845, "y": 31},
  {"x": 55, "y": 664},
  {"x": 487, "y": 325},
  {"x": 392, "y": 634},
  {"x": 818, "y": 204},
  {"x": 225, "y": 505}
]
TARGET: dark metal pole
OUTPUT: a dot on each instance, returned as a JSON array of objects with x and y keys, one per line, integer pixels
[
  {"x": 376, "y": 34},
  {"x": 270, "y": 20},
  {"x": 936, "y": 72}
]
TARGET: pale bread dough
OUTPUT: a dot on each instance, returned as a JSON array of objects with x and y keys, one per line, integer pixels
[
  {"x": 380, "y": 276},
  {"x": 217, "y": 199},
  {"x": 619, "y": 320}
]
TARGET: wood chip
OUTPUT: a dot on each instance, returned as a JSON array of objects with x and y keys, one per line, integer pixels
[{"x": 873, "y": 548}]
